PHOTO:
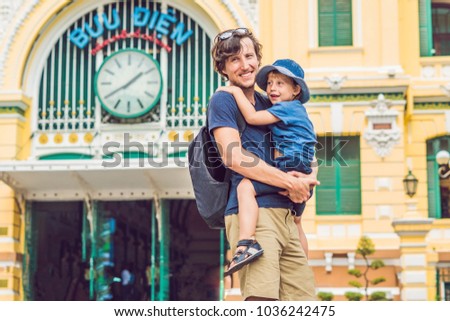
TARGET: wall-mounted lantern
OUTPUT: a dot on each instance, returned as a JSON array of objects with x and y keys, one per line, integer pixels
[
  {"x": 410, "y": 184},
  {"x": 443, "y": 159}
]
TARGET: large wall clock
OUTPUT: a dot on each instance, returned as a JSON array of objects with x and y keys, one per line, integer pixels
[{"x": 128, "y": 83}]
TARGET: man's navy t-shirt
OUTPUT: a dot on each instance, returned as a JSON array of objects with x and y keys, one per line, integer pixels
[{"x": 222, "y": 112}]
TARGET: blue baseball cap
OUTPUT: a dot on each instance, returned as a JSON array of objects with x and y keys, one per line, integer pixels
[{"x": 289, "y": 68}]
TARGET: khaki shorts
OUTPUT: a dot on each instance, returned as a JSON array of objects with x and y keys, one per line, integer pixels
[{"x": 282, "y": 272}]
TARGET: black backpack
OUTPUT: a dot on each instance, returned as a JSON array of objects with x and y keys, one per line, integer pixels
[{"x": 210, "y": 178}]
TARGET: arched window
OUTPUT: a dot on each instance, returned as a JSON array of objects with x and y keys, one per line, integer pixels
[{"x": 67, "y": 100}]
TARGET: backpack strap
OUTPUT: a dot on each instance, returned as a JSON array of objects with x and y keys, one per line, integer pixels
[{"x": 242, "y": 124}]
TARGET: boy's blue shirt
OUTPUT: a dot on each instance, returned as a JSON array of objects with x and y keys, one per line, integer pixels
[{"x": 293, "y": 135}]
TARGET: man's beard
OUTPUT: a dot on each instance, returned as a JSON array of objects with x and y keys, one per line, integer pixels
[{"x": 244, "y": 86}]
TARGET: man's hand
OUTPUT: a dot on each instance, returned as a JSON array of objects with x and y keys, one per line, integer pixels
[{"x": 301, "y": 186}]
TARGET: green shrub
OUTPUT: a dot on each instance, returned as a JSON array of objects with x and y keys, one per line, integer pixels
[
  {"x": 325, "y": 296},
  {"x": 378, "y": 296},
  {"x": 353, "y": 296}
]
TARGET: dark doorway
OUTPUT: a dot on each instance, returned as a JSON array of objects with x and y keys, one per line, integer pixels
[
  {"x": 194, "y": 255},
  {"x": 130, "y": 249},
  {"x": 59, "y": 272},
  {"x": 123, "y": 236},
  {"x": 124, "y": 239}
]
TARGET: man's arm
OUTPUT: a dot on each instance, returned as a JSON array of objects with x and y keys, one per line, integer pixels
[
  {"x": 253, "y": 117},
  {"x": 252, "y": 167},
  {"x": 302, "y": 235}
]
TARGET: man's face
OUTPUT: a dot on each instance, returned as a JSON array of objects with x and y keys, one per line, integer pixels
[{"x": 242, "y": 67}]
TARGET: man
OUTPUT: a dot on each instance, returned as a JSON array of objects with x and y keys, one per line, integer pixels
[{"x": 282, "y": 272}]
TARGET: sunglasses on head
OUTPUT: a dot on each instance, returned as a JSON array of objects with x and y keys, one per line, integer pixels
[{"x": 230, "y": 33}]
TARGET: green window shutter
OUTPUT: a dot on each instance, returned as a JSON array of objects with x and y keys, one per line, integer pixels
[
  {"x": 351, "y": 187},
  {"x": 335, "y": 23},
  {"x": 434, "y": 206},
  {"x": 425, "y": 28},
  {"x": 326, "y": 198},
  {"x": 350, "y": 176},
  {"x": 344, "y": 34},
  {"x": 339, "y": 175},
  {"x": 326, "y": 23}
]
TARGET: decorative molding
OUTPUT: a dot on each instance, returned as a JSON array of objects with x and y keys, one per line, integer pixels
[
  {"x": 251, "y": 9},
  {"x": 335, "y": 81},
  {"x": 446, "y": 71},
  {"x": 432, "y": 105},
  {"x": 436, "y": 69},
  {"x": 20, "y": 18},
  {"x": 428, "y": 72},
  {"x": 382, "y": 133},
  {"x": 353, "y": 97},
  {"x": 8, "y": 9},
  {"x": 229, "y": 5},
  {"x": 11, "y": 110}
]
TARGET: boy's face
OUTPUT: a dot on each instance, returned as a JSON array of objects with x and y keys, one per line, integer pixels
[
  {"x": 241, "y": 68},
  {"x": 281, "y": 88}
]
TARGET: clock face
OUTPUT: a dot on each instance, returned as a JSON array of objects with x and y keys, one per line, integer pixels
[{"x": 128, "y": 83}]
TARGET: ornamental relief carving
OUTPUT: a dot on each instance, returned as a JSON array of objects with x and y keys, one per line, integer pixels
[
  {"x": 250, "y": 7},
  {"x": 382, "y": 133},
  {"x": 9, "y": 10}
]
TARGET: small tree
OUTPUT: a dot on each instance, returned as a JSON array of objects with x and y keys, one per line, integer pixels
[{"x": 366, "y": 248}]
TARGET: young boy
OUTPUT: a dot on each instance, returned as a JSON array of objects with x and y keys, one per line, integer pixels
[{"x": 294, "y": 138}]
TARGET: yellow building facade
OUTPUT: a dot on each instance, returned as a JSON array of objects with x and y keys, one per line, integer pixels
[{"x": 379, "y": 75}]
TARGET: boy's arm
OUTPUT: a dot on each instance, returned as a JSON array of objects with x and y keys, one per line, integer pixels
[{"x": 251, "y": 116}]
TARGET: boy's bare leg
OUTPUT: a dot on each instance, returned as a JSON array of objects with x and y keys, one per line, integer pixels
[{"x": 247, "y": 217}]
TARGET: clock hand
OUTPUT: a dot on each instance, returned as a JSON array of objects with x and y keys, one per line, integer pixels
[
  {"x": 133, "y": 80},
  {"x": 125, "y": 85}
]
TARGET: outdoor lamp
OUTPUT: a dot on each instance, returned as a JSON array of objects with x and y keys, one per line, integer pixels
[
  {"x": 442, "y": 158},
  {"x": 410, "y": 184}
]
